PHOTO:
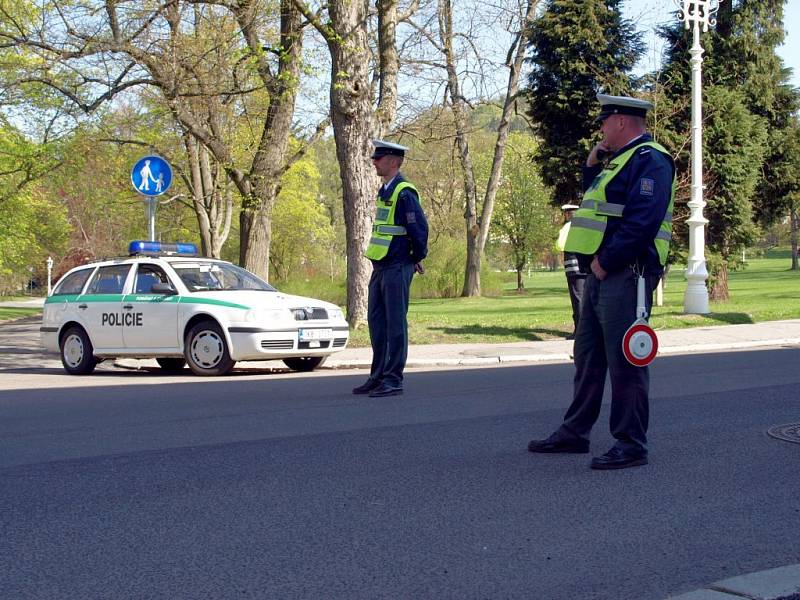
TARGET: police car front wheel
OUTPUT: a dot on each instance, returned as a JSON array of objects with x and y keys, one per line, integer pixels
[
  {"x": 206, "y": 350},
  {"x": 77, "y": 353}
]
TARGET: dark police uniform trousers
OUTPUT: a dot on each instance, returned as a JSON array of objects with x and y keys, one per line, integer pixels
[
  {"x": 608, "y": 310},
  {"x": 387, "y": 310}
]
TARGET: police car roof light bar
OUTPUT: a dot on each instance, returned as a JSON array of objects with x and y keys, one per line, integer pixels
[{"x": 146, "y": 248}]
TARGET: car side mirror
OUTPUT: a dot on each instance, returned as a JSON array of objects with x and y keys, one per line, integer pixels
[{"x": 163, "y": 288}]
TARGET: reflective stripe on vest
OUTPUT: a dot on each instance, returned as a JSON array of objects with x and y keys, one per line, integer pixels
[
  {"x": 590, "y": 220},
  {"x": 384, "y": 228}
]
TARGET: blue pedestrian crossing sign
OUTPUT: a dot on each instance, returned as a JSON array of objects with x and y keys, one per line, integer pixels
[{"x": 151, "y": 175}]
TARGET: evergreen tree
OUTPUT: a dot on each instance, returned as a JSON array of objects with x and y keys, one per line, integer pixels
[
  {"x": 747, "y": 107},
  {"x": 577, "y": 49},
  {"x": 746, "y": 59}
]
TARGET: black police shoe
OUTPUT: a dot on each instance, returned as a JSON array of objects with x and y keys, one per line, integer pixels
[
  {"x": 385, "y": 390},
  {"x": 617, "y": 458},
  {"x": 554, "y": 445},
  {"x": 365, "y": 388}
]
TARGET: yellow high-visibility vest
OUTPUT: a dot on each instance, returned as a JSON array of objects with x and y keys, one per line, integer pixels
[
  {"x": 589, "y": 222},
  {"x": 384, "y": 229}
]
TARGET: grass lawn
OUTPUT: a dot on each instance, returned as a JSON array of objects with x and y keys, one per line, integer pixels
[
  {"x": 766, "y": 290},
  {"x": 7, "y": 314}
]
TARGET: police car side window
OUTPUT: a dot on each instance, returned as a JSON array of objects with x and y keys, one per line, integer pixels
[
  {"x": 147, "y": 276},
  {"x": 109, "y": 280},
  {"x": 73, "y": 283}
]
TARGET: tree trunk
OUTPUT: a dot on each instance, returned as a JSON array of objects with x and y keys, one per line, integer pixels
[
  {"x": 477, "y": 227},
  {"x": 203, "y": 223},
  {"x": 388, "y": 65},
  {"x": 256, "y": 233},
  {"x": 719, "y": 291},
  {"x": 793, "y": 235},
  {"x": 211, "y": 198},
  {"x": 353, "y": 123},
  {"x": 520, "y": 284},
  {"x": 346, "y": 31},
  {"x": 270, "y": 160}
]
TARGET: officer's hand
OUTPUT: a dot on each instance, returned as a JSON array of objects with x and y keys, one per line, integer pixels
[
  {"x": 599, "y": 272},
  {"x": 596, "y": 155},
  {"x": 418, "y": 268}
]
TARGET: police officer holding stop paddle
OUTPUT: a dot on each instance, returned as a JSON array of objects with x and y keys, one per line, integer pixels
[{"x": 620, "y": 233}]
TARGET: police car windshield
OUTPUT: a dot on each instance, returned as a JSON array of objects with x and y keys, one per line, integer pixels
[{"x": 205, "y": 276}]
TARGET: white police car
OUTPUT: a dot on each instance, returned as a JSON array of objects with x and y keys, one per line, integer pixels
[{"x": 165, "y": 302}]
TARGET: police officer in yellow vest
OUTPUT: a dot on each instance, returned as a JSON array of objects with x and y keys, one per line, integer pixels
[
  {"x": 622, "y": 228},
  {"x": 396, "y": 248}
]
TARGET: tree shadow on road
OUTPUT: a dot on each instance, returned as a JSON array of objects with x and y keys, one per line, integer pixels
[{"x": 524, "y": 334}]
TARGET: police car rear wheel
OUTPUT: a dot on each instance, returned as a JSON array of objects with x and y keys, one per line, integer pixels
[
  {"x": 304, "y": 363},
  {"x": 77, "y": 353},
  {"x": 206, "y": 350},
  {"x": 171, "y": 365}
]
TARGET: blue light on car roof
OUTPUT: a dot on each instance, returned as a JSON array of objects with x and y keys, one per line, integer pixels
[{"x": 162, "y": 248}]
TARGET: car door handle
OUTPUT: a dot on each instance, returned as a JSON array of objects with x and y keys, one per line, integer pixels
[
  {"x": 128, "y": 307},
  {"x": 83, "y": 306}
]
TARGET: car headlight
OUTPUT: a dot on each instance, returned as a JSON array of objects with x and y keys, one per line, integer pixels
[
  {"x": 335, "y": 314},
  {"x": 269, "y": 315}
]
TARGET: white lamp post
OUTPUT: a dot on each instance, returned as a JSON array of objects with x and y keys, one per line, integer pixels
[
  {"x": 49, "y": 275},
  {"x": 697, "y": 13}
]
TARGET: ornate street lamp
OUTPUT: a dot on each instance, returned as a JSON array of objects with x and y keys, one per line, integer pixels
[
  {"x": 49, "y": 275},
  {"x": 697, "y": 14}
]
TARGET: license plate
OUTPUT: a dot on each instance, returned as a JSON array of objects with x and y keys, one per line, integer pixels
[{"x": 306, "y": 335}]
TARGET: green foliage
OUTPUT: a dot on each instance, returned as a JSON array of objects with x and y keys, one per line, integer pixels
[
  {"x": 523, "y": 217},
  {"x": 738, "y": 139},
  {"x": 577, "y": 48},
  {"x": 22, "y": 160},
  {"x": 444, "y": 270},
  {"x": 330, "y": 289},
  {"x": 303, "y": 236},
  {"x": 32, "y": 227}
]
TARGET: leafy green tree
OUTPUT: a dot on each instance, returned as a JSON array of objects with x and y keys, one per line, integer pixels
[
  {"x": 33, "y": 226},
  {"x": 524, "y": 217},
  {"x": 747, "y": 59},
  {"x": 787, "y": 172},
  {"x": 577, "y": 48},
  {"x": 199, "y": 58},
  {"x": 303, "y": 236},
  {"x": 739, "y": 141}
]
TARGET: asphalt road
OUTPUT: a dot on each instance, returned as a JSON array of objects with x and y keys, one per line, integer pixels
[{"x": 136, "y": 485}]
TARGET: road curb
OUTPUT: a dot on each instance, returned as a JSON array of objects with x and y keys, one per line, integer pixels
[
  {"x": 781, "y": 583},
  {"x": 721, "y": 346}
]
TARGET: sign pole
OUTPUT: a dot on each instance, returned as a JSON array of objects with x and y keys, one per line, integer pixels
[{"x": 150, "y": 207}]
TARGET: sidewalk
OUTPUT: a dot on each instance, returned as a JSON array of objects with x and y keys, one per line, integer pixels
[
  {"x": 720, "y": 338},
  {"x": 671, "y": 341},
  {"x": 37, "y": 302}
]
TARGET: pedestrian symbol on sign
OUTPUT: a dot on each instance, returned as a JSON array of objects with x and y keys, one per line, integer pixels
[{"x": 151, "y": 176}]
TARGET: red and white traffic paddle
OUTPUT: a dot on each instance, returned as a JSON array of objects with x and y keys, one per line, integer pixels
[{"x": 640, "y": 344}]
